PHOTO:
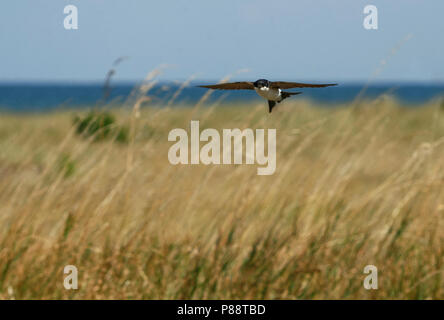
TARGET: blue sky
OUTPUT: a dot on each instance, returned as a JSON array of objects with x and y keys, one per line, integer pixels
[{"x": 300, "y": 40}]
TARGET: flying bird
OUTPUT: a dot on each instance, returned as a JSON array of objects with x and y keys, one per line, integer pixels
[{"x": 269, "y": 90}]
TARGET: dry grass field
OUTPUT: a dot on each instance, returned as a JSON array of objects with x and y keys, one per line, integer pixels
[{"x": 354, "y": 186}]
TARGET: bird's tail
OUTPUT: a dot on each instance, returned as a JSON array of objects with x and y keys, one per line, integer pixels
[
  {"x": 284, "y": 95},
  {"x": 288, "y": 94}
]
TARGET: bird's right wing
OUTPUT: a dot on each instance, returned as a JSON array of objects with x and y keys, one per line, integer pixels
[
  {"x": 289, "y": 85},
  {"x": 231, "y": 86}
]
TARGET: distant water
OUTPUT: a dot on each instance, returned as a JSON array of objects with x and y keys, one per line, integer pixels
[{"x": 44, "y": 97}]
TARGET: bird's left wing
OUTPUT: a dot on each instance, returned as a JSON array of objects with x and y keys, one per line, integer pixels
[
  {"x": 231, "y": 86},
  {"x": 289, "y": 85}
]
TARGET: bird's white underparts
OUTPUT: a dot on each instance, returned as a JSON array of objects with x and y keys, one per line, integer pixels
[{"x": 269, "y": 93}]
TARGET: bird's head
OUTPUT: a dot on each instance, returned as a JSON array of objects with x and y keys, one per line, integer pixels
[{"x": 261, "y": 83}]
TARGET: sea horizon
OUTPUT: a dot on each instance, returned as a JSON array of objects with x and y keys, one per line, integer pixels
[{"x": 41, "y": 96}]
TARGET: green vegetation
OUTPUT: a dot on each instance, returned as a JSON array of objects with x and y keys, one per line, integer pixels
[{"x": 100, "y": 125}]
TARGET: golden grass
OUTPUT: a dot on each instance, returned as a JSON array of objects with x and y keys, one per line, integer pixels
[{"x": 353, "y": 187}]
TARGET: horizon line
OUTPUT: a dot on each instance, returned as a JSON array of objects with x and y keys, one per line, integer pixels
[{"x": 205, "y": 81}]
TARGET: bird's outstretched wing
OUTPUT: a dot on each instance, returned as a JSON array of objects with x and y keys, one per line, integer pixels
[
  {"x": 289, "y": 85},
  {"x": 231, "y": 86}
]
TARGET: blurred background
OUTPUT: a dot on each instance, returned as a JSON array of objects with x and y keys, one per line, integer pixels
[{"x": 44, "y": 66}]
